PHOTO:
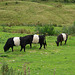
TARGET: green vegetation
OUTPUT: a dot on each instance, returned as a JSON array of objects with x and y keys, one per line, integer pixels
[
  {"x": 59, "y": 60},
  {"x": 46, "y": 29},
  {"x": 5, "y": 70},
  {"x": 70, "y": 29},
  {"x": 65, "y": 1},
  {"x": 24, "y": 17},
  {"x": 24, "y": 13},
  {"x": 53, "y": 59}
]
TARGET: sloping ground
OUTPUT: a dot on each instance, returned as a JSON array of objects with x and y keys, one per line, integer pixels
[{"x": 25, "y": 12}]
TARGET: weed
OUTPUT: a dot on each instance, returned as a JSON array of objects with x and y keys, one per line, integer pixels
[
  {"x": 10, "y": 71},
  {"x": 69, "y": 29},
  {"x": 58, "y": 5},
  {"x": 16, "y": 2},
  {"x": 4, "y": 55},
  {"x": 6, "y": 3},
  {"x": 4, "y": 29},
  {"x": 47, "y": 30}
]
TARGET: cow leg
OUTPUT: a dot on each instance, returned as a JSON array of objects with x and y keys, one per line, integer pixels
[
  {"x": 21, "y": 48},
  {"x": 30, "y": 45},
  {"x": 44, "y": 45},
  {"x": 24, "y": 48},
  {"x": 12, "y": 49},
  {"x": 61, "y": 43},
  {"x": 65, "y": 42},
  {"x": 40, "y": 46}
]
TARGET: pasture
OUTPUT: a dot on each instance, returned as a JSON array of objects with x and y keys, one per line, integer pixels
[
  {"x": 52, "y": 60},
  {"x": 21, "y": 18}
]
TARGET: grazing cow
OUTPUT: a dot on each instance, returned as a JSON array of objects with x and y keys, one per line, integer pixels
[
  {"x": 61, "y": 37},
  {"x": 29, "y": 39},
  {"x": 15, "y": 41},
  {"x": 23, "y": 41}
]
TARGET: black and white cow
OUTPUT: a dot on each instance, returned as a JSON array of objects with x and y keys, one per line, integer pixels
[
  {"x": 61, "y": 37},
  {"x": 35, "y": 39},
  {"x": 15, "y": 41},
  {"x": 23, "y": 41}
]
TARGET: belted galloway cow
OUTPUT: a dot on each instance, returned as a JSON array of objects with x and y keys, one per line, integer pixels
[
  {"x": 23, "y": 41},
  {"x": 61, "y": 37}
]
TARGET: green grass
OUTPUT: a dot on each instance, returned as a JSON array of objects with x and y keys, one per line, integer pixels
[
  {"x": 26, "y": 12},
  {"x": 41, "y": 62},
  {"x": 59, "y": 60},
  {"x": 18, "y": 29}
]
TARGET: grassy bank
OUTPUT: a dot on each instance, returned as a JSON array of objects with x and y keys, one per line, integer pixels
[{"x": 24, "y": 12}]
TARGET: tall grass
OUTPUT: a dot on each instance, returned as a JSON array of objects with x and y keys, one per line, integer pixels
[
  {"x": 70, "y": 29},
  {"x": 5, "y": 70}
]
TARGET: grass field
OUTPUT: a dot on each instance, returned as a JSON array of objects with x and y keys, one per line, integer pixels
[
  {"x": 59, "y": 60},
  {"x": 25, "y": 12},
  {"x": 15, "y": 20}
]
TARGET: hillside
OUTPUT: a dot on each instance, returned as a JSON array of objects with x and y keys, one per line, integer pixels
[{"x": 25, "y": 12}]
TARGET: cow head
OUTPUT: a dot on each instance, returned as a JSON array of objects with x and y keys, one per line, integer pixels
[
  {"x": 6, "y": 48},
  {"x": 57, "y": 43}
]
